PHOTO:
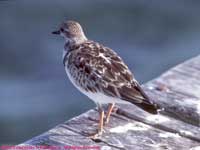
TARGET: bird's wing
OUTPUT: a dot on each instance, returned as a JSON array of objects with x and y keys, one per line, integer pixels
[
  {"x": 110, "y": 74},
  {"x": 114, "y": 77},
  {"x": 118, "y": 80}
]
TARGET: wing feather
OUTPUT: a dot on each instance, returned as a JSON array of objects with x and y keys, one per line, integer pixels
[{"x": 112, "y": 75}]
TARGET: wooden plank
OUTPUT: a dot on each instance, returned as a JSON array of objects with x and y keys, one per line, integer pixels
[
  {"x": 122, "y": 133},
  {"x": 177, "y": 127},
  {"x": 162, "y": 122},
  {"x": 178, "y": 91}
]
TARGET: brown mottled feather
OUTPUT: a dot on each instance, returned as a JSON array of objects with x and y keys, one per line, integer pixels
[{"x": 107, "y": 73}]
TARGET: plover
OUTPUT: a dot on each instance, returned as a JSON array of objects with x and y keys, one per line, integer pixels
[{"x": 99, "y": 73}]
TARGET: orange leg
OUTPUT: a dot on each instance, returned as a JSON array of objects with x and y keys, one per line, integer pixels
[
  {"x": 101, "y": 122},
  {"x": 110, "y": 108}
]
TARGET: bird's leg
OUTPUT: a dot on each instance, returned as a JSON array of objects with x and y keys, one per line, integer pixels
[
  {"x": 110, "y": 108},
  {"x": 100, "y": 125},
  {"x": 99, "y": 109},
  {"x": 101, "y": 122}
]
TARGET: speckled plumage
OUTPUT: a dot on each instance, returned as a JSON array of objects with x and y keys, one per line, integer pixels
[{"x": 98, "y": 72}]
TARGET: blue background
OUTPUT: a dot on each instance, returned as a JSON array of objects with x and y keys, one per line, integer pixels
[{"x": 35, "y": 94}]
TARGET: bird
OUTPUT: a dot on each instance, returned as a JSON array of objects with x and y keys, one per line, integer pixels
[{"x": 100, "y": 73}]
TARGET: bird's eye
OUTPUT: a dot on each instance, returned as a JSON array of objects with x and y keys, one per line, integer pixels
[{"x": 61, "y": 29}]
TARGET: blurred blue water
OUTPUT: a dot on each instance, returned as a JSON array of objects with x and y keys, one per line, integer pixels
[{"x": 35, "y": 94}]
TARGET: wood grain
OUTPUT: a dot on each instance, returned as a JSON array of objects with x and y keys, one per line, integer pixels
[{"x": 177, "y": 127}]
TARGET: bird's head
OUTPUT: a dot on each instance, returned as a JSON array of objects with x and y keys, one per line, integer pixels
[{"x": 72, "y": 32}]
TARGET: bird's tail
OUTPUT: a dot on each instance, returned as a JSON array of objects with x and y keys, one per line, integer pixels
[
  {"x": 138, "y": 97},
  {"x": 151, "y": 108}
]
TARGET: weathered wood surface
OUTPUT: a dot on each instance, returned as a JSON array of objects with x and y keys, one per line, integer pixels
[{"x": 177, "y": 127}]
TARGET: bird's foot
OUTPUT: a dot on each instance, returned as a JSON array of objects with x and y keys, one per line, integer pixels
[
  {"x": 96, "y": 135},
  {"x": 93, "y": 135}
]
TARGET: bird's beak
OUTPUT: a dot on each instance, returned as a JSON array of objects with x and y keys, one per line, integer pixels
[{"x": 56, "y": 32}]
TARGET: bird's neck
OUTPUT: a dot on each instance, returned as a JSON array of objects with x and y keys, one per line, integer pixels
[
  {"x": 73, "y": 44},
  {"x": 76, "y": 40}
]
